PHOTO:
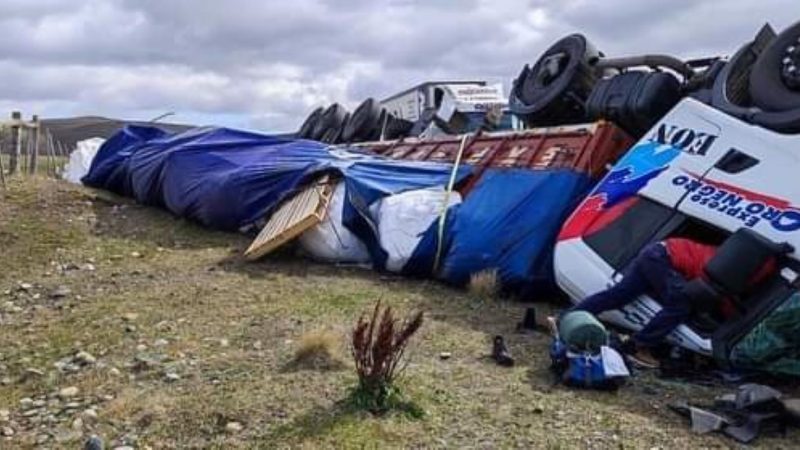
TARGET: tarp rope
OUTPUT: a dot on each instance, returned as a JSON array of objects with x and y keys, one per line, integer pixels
[{"x": 443, "y": 213}]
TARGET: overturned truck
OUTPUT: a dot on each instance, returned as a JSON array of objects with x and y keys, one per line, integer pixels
[
  {"x": 711, "y": 164},
  {"x": 701, "y": 174},
  {"x": 445, "y": 208}
]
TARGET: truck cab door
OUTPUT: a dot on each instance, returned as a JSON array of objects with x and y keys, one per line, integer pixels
[
  {"x": 641, "y": 200},
  {"x": 753, "y": 182}
]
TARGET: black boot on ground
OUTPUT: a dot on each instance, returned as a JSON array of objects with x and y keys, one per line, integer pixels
[{"x": 500, "y": 352}]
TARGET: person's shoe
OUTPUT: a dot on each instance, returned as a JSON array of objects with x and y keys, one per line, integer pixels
[
  {"x": 644, "y": 359},
  {"x": 500, "y": 352}
]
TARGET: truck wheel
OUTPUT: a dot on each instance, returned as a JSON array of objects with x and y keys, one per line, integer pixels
[
  {"x": 332, "y": 118},
  {"x": 307, "y": 128},
  {"x": 396, "y": 128},
  {"x": 731, "y": 95},
  {"x": 364, "y": 123},
  {"x": 555, "y": 89},
  {"x": 730, "y": 92},
  {"x": 775, "y": 78}
]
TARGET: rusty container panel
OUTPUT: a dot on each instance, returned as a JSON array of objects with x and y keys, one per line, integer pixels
[{"x": 585, "y": 148}]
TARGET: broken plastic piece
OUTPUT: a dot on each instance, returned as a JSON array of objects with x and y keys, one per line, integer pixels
[{"x": 705, "y": 421}]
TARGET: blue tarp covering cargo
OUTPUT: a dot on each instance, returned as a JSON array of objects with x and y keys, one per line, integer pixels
[
  {"x": 508, "y": 222},
  {"x": 228, "y": 179}
]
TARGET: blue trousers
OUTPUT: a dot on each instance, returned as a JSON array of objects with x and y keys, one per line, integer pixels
[{"x": 651, "y": 272}]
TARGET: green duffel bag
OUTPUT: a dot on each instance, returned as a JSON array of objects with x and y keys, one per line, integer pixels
[{"x": 582, "y": 331}]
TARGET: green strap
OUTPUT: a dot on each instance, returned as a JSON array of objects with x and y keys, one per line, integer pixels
[{"x": 443, "y": 214}]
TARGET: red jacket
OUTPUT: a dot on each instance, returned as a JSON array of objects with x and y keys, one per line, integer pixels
[{"x": 689, "y": 258}]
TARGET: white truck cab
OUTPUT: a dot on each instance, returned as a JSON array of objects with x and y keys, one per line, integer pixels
[
  {"x": 697, "y": 173},
  {"x": 471, "y": 98}
]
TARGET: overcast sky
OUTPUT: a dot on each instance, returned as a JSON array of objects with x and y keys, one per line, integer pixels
[{"x": 264, "y": 64}]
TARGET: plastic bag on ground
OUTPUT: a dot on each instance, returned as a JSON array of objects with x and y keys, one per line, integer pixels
[
  {"x": 81, "y": 159},
  {"x": 331, "y": 241},
  {"x": 403, "y": 218}
]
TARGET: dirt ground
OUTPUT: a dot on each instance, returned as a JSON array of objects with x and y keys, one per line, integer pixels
[{"x": 121, "y": 321}]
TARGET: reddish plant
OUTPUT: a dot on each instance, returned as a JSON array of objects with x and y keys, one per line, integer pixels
[{"x": 378, "y": 346}]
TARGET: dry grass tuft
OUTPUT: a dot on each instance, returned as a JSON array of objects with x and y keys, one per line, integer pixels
[
  {"x": 484, "y": 285},
  {"x": 318, "y": 350}
]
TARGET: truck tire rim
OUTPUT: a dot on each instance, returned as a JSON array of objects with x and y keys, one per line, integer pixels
[{"x": 790, "y": 66}]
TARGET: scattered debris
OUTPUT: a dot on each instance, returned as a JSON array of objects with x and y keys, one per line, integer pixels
[{"x": 745, "y": 414}]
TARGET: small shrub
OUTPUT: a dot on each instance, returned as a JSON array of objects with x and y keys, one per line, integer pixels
[
  {"x": 378, "y": 345},
  {"x": 484, "y": 285}
]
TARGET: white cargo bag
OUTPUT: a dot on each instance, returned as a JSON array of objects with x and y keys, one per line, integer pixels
[
  {"x": 80, "y": 160},
  {"x": 402, "y": 218},
  {"x": 330, "y": 241}
]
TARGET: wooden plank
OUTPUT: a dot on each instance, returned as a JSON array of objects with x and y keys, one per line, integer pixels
[{"x": 293, "y": 217}]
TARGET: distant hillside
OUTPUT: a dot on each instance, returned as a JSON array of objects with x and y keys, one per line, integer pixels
[{"x": 73, "y": 129}]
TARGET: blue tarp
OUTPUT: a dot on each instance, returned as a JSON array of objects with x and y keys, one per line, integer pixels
[
  {"x": 228, "y": 179},
  {"x": 508, "y": 222}
]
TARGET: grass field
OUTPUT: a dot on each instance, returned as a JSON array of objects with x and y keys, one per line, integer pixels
[
  {"x": 46, "y": 166},
  {"x": 185, "y": 338}
]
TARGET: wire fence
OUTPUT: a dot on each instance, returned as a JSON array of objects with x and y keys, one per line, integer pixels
[{"x": 28, "y": 149}]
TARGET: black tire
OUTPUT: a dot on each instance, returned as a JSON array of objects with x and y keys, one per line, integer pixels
[
  {"x": 767, "y": 87},
  {"x": 332, "y": 118},
  {"x": 731, "y": 92},
  {"x": 364, "y": 123},
  {"x": 334, "y": 135},
  {"x": 307, "y": 128},
  {"x": 731, "y": 95},
  {"x": 543, "y": 100},
  {"x": 396, "y": 128},
  {"x": 383, "y": 120}
]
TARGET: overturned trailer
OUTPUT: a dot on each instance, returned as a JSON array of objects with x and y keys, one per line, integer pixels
[
  {"x": 523, "y": 185},
  {"x": 512, "y": 192}
]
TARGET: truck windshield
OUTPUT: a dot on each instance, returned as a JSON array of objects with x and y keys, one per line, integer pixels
[{"x": 643, "y": 222}]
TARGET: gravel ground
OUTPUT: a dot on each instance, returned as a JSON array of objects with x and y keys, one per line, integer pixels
[{"x": 120, "y": 321}]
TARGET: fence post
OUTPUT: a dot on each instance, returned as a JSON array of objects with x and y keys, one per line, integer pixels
[
  {"x": 16, "y": 142},
  {"x": 34, "y": 161},
  {"x": 2, "y": 169}
]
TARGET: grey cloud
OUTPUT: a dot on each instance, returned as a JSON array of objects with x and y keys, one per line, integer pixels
[{"x": 266, "y": 64}]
